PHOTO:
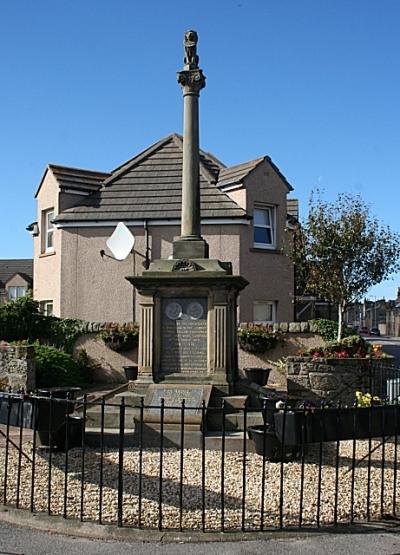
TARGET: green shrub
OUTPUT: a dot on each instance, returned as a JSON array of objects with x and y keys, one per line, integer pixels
[
  {"x": 54, "y": 368},
  {"x": 21, "y": 320},
  {"x": 328, "y": 329}
]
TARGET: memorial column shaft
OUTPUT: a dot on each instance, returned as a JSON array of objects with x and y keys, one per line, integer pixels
[
  {"x": 190, "y": 244},
  {"x": 190, "y": 226}
]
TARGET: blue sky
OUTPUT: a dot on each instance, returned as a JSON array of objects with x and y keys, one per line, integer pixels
[{"x": 314, "y": 84}]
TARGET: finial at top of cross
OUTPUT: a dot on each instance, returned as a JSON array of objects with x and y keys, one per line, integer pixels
[{"x": 191, "y": 59}]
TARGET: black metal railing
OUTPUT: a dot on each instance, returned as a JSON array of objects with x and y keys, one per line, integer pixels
[{"x": 298, "y": 467}]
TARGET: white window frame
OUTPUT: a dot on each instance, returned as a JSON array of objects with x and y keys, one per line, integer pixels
[
  {"x": 17, "y": 295},
  {"x": 48, "y": 230},
  {"x": 273, "y": 305},
  {"x": 272, "y": 227},
  {"x": 44, "y": 307}
]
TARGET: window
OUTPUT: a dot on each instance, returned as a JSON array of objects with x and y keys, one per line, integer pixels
[
  {"x": 48, "y": 227},
  {"x": 16, "y": 292},
  {"x": 264, "y": 227},
  {"x": 264, "y": 311},
  {"x": 46, "y": 308}
]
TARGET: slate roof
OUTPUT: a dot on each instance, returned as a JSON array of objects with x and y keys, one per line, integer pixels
[
  {"x": 76, "y": 179},
  {"x": 149, "y": 186},
  {"x": 8, "y": 269}
]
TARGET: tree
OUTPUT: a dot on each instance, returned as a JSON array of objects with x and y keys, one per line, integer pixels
[{"x": 341, "y": 251}]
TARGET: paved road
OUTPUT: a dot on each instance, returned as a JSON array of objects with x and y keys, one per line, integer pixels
[
  {"x": 20, "y": 541},
  {"x": 391, "y": 345}
]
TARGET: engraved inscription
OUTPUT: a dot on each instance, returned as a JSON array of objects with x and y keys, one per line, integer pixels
[
  {"x": 173, "y": 401},
  {"x": 184, "y": 335},
  {"x": 173, "y": 395}
]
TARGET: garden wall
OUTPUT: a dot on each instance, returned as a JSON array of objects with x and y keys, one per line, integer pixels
[
  {"x": 107, "y": 365},
  {"x": 329, "y": 379},
  {"x": 17, "y": 367},
  {"x": 295, "y": 336}
]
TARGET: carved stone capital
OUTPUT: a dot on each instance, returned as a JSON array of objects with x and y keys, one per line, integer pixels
[{"x": 191, "y": 81}]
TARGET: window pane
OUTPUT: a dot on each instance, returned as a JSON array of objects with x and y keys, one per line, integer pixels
[
  {"x": 262, "y": 217},
  {"x": 12, "y": 293},
  {"x": 20, "y": 292},
  {"x": 50, "y": 216},
  {"x": 263, "y": 312},
  {"x": 49, "y": 309},
  {"x": 49, "y": 239},
  {"x": 262, "y": 235}
]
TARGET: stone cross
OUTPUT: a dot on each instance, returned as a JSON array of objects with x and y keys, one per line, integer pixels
[{"x": 190, "y": 244}]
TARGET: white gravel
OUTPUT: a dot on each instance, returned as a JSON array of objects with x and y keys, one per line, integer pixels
[{"x": 192, "y": 486}]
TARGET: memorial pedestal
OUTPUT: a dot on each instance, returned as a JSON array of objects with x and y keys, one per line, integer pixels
[{"x": 188, "y": 323}]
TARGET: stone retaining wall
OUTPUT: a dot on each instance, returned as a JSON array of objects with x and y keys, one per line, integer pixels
[
  {"x": 295, "y": 336},
  {"x": 17, "y": 367},
  {"x": 107, "y": 365},
  {"x": 329, "y": 379}
]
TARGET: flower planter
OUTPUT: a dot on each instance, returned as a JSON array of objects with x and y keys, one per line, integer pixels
[
  {"x": 117, "y": 343},
  {"x": 333, "y": 424},
  {"x": 266, "y": 443},
  {"x": 21, "y": 413},
  {"x": 131, "y": 372},
  {"x": 255, "y": 344},
  {"x": 257, "y": 375}
]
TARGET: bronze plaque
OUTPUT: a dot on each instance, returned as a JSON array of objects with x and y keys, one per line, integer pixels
[
  {"x": 173, "y": 395},
  {"x": 184, "y": 335}
]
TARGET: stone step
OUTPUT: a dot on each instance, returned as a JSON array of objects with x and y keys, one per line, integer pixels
[
  {"x": 131, "y": 399},
  {"x": 233, "y": 421},
  {"x": 234, "y": 441},
  {"x": 232, "y": 402},
  {"x": 111, "y": 416},
  {"x": 111, "y": 437}
]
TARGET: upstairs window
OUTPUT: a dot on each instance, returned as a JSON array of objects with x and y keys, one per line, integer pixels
[
  {"x": 264, "y": 227},
  {"x": 48, "y": 230},
  {"x": 16, "y": 292}
]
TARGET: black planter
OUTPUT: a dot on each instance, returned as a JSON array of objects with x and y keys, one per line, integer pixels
[
  {"x": 334, "y": 424},
  {"x": 258, "y": 375},
  {"x": 58, "y": 436},
  {"x": 16, "y": 411},
  {"x": 266, "y": 443},
  {"x": 131, "y": 372}
]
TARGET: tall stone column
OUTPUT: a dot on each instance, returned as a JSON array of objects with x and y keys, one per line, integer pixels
[{"x": 190, "y": 244}]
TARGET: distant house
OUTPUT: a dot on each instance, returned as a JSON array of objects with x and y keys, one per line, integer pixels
[
  {"x": 16, "y": 276},
  {"x": 393, "y": 316},
  {"x": 244, "y": 214}
]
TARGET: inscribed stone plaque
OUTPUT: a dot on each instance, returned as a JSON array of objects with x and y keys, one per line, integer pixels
[
  {"x": 184, "y": 335},
  {"x": 173, "y": 395}
]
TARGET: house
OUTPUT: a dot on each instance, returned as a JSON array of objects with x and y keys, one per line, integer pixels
[
  {"x": 16, "y": 277},
  {"x": 393, "y": 316},
  {"x": 243, "y": 213}
]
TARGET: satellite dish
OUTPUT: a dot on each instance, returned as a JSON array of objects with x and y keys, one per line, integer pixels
[{"x": 121, "y": 242}]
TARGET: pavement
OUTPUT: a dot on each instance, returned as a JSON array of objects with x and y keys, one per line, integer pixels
[{"x": 18, "y": 540}]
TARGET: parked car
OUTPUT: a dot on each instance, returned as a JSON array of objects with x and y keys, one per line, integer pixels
[
  {"x": 364, "y": 330},
  {"x": 375, "y": 331}
]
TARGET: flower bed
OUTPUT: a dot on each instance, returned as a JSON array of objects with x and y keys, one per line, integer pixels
[
  {"x": 257, "y": 338},
  {"x": 120, "y": 337}
]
